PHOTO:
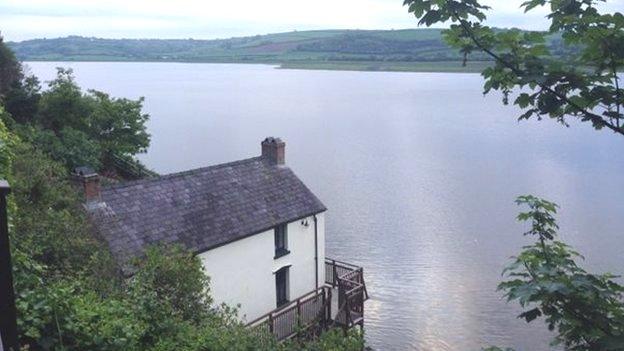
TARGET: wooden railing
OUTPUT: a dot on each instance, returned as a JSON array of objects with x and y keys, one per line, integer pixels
[
  {"x": 130, "y": 168},
  {"x": 352, "y": 293},
  {"x": 310, "y": 313},
  {"x": 335, "y": 269}
]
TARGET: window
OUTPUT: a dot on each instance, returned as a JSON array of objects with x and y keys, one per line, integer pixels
[
  {"x": 281, "y": 241},
  {"x": 281, "y": 286}
]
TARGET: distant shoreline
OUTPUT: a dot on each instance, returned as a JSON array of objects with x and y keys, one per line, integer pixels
[
  {"x": 361, "y": 66},
  {"x": 375, "y": 66},
  {"x": 408, "y": 50}
]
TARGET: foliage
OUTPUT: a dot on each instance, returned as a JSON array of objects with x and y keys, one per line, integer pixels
[
  {"x": 50, "y": 227},
  {"x": 73, "y": 127},
  {"x": 71, "y": 147},
  {"x": 586, "y": 310},
  {"x": 117, "y": 125},
  {"x": 177, "y": 277},
  {"x": 10, "y": 69},
  {"x": 22, "y": 99},
  {"x": 7, "y": 143},
  {"x": 62, "y": 105},
  {"x": 583, "y": 84},
  {"x": 332, "y": 340},
  {"x": 219, "y": 333}
]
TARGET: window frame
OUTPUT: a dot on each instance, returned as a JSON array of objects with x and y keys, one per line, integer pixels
[
  {"x": 280, "y": 236},
  {"x": 282, "y": 280}
]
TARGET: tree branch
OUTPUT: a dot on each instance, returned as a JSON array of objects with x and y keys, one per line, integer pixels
[
  {"x": 618, "y": 96},
  {"x": 596, "y": 119}
]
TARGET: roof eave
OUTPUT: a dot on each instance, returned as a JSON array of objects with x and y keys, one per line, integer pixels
[{"x": 203, "y": 250}]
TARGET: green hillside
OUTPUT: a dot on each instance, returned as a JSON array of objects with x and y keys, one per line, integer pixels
[{"x": 388, "y": 50}]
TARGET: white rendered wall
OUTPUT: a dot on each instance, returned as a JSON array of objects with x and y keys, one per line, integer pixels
[{"x": 242, "y": 272}]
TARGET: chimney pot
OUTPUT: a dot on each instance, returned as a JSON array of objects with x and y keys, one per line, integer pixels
[{"x": 274, "y": 149}]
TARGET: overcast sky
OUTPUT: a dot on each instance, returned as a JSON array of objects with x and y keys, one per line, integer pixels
[{"x": 208, "y": 19}]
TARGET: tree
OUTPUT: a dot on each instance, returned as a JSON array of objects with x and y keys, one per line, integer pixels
[
  {"x": 105, "y": 126},
  {"x": 63, "y": 104},
  {"x": 22, "y": 99},
  {"x": 583, "y": 84},
  {"x": 10, "y": 69},
  {"x": 586, "y": 310},
  {"x": 117, "y": 124},
  {"x": 19, "y": 92}
]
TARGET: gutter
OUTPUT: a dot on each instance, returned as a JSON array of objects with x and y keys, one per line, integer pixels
[{"x": 316, "y": 251}]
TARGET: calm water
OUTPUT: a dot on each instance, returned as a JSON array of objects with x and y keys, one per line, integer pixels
[{"x": 419, "y": 172}]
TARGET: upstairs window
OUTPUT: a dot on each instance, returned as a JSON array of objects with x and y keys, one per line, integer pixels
[{"x": 281, "y": 240}]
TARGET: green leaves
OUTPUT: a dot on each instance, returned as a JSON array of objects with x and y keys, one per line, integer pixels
[
  {"x": 430, "y": 12},
  {"x": 530, "y": 5},
  {"x": 80, "y": 129},
  {"x": 10, "y": 69},
  {"x": 540, "y": 214},
  {"x": 580, "y": 80},
  {"x": 531, "y": 314},
  {"x": 418, "y": 8},
  {"x": 585, "y": 310}
]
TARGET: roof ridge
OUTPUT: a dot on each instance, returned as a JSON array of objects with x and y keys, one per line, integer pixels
[{"x": 181, "y": 173}]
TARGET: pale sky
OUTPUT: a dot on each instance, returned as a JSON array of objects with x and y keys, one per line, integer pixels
[{"x": 209, "y": 19}]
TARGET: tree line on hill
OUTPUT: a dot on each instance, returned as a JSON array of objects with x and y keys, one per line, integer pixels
[{"x": 413, "y": 45}]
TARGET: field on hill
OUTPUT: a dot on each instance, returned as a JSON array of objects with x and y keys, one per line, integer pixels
[{"x": 385, "y": 50}]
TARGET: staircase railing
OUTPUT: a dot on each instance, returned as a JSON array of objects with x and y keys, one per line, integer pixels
[{"x": 352, "y": 293}]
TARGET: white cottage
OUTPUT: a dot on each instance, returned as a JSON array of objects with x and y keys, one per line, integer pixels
[{"x": 259, "y": 231}]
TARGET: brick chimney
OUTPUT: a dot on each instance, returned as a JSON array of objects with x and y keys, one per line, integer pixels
[
  {"x": 90, "y": 182},
  {"x": 274, "y": 149}
]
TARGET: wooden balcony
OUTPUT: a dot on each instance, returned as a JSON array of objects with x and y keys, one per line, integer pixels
[{"x": 311, "y": 314}]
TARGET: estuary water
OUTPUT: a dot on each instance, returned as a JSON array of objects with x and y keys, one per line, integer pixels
[{"x": 418, "y": 170}]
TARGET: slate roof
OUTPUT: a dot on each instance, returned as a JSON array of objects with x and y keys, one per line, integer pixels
[{"x": 200, "y": 209}]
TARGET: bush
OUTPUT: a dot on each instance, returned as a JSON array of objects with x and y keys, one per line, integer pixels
[
  {"x": 71, "y": 147},
  {"x": 176, "y": 277},
  {"x": 50, "y": 224}
]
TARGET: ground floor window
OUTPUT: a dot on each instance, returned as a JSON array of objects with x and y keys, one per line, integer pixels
[{"x": 281, "y": 286}]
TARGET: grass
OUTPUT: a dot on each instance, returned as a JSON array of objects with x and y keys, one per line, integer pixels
[
  {"x": 442, "y": 66},
  {"x": 369, "y": 66}
]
